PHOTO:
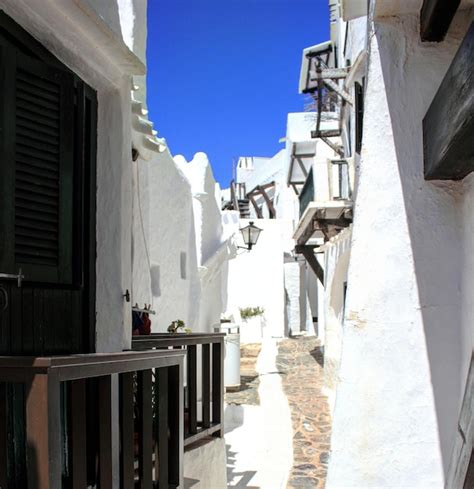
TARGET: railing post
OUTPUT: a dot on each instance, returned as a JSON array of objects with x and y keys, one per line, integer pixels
[
  {"x": 3, "y": 435},
  {"x": 192, "y": 388},
  {"x": 176, "y": 424},
  {"x": 218, "y": 385},
  {"x": 162, "y": 443},
  {"x": 145, "y": 429},
  {"x": 43, "y": 433},
  {"x": 206, "y": 385},
  {"x": 78, "y": 433},
  {"x": 105, "y": 432},
  {"x": 127, "y": 445}
]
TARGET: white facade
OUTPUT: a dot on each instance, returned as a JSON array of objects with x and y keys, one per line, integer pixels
[{"x": 407, "y": 337}]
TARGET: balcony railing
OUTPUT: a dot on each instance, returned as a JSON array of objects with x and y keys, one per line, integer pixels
[
  {"x": 338, "y": 187},
  {"x": 92, "y": 420},
  {"x": 203, "y": 414}
]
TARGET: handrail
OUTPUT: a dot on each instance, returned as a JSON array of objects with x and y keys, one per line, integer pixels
[
  {"x": 164, "y": 340},
  {"x": 209, "y": 372},
  {"x": 79, "y": 389}
]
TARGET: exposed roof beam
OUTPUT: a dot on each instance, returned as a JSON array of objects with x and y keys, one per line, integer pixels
[
  {"x": 448, "y": 126},
  {"x": 436, "y": 17}
]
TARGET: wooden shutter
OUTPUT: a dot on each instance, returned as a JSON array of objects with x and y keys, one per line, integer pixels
[{"x": 37, "y": 171}]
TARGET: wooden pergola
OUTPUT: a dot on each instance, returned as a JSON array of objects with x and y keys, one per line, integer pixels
[{"x": 262, "y": 190}]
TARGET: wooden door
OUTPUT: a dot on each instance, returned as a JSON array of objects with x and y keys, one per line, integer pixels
[
  {"x": 47, "y": 217},
  {"x": 47, "y": 206}
]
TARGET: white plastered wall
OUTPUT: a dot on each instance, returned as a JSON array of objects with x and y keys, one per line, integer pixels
[
  {"x": 408, "y": 332},
  {"x": 256, "y": 278}
]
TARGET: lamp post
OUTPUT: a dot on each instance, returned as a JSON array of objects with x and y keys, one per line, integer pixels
[{"x": 250, "y": 234}]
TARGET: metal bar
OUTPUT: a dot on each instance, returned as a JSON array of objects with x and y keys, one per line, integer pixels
[
  {"x": 43, "y": 434},
  {"x": 127, "y": 470},
  {"x": 78, "y": 434},
  {"x": 105, "y": 432},
  {"x": 145, "y": 429},
  {"x": 206, "y": 385},
  {"x": 191, "y": 360},
  {"x": 162, "y": 457}
]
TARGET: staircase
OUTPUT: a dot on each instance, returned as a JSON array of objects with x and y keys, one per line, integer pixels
[{"x": 244, "y": 208}]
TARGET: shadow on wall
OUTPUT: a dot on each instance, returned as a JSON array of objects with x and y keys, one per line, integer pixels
[{"x": 412, "y": 72}]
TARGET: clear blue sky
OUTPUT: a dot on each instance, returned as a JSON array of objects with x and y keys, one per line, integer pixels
[{"x": 223, "y": 74}]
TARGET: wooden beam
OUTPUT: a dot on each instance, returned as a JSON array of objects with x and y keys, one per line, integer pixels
[
  {"x": 436, "y": 17},
  {"x": 327, "y": 73},
  {"x": 255, "y": 206},
  {"x": 448, "y": 126},
  {"x": 308, "y": 253},
  {"x": 268, "y": 201},
  {"x": 340, "y": 91}
]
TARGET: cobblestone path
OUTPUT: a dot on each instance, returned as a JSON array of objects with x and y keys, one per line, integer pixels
[
  {"x": 299, "y": 362},
  {"x": 249, "y": 379}
]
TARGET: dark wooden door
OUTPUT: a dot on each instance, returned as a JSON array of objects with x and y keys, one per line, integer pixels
[
  {"x": 47, "y": 201},
  {"x": 47, "y": 218}
]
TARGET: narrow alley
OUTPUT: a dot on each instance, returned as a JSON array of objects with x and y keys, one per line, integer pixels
[{"x": 280, "y": 406}]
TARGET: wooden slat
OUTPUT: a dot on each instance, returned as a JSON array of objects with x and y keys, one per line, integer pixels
[
  {"x": 192, "y": 388},
  {"x": 3, "y": 436},
  {"x": 78, "y": 434},
  {"x": 145, "y": 429},
  {"x": 105, "y": 433},
  {"x": 176, "y": 425},
  {"x": 127, "y": 470},
  {"x": 43, "y": 432},
  {"x": 162, "y": 429},
  {"x": 206, "y": 385},
  {"x": 218, "y": 384},
  {"x": 436, "y": 17},
  {"x": 448, "y": 126}
]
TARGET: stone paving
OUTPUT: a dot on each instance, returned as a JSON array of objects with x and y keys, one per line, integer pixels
[
  {"x": 299, "y": 363},
  {"x": 249, "y": 379}
]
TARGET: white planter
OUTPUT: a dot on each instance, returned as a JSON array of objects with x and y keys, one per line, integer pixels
[{"x": 251, "y": 330}]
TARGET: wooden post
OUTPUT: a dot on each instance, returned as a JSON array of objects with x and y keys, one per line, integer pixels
[
  {"x": 78, "y": 433},
  {"x": 127, "y": 442},
  {"x": 206, "y": 385},
  {"x": 105, "y": 432},
  {"x": 43, "y": 432},
  {"x": 145, "y": 429},
  {"x": 218, "y": 385},
  {"x": 176, "y": 424}
]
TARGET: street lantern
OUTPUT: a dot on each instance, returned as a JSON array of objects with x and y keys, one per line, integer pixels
[{"x": 250, "y": 235}]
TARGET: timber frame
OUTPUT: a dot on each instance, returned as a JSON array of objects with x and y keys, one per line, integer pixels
[
  {"x": 448, "y": 126},
  {"x": 324, "y": 87},
  {"x": 297, "y": 157},
  {"x": 435, "y": 18},
  {"x": 263, "y": 191}
]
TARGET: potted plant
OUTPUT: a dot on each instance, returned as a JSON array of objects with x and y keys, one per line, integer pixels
[{"x": 253, "y": 322}]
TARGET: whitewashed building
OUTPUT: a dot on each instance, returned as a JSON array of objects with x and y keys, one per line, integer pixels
[
  {"x": 97, "y": 218},
  {"x": 401, "y": 354}
]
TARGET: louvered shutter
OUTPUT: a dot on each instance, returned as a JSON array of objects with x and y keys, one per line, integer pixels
[{"x": 37, "y": 140}]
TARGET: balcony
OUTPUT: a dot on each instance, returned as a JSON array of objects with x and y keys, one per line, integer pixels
[
  {"x": 95, "y": 420},
  {"x": 325, "y": 200},
  {"x": 204, "y": 372}
]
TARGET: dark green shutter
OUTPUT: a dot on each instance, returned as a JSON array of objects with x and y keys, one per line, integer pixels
[{"x": 37, "y": 140}]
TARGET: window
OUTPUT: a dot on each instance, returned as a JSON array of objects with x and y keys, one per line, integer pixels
[{"x": 359, "y": 114}]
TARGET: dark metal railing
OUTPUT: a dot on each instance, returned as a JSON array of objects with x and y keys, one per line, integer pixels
[
  {"x": 91, "y": 420},
  {"x": 204, "y": 369}
]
